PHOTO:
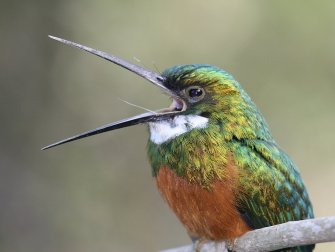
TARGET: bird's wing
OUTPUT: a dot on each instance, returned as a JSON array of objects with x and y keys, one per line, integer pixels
[
  {"x": 274, "y": 191},
  {"x": 244, "y": 215}
]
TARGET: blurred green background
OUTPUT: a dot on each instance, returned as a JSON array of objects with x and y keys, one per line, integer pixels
[{"x": 97, "y": 194}]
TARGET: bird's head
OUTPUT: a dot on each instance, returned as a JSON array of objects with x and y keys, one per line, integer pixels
[
  {"x": 201, "y": 89},
  {"x": 201, "y": 94}
]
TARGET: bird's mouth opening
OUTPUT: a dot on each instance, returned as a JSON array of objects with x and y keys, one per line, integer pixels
[{"x": 177, "y": 105}]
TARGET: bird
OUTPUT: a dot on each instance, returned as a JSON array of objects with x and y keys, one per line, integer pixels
[{"x": 212, "y": 155}]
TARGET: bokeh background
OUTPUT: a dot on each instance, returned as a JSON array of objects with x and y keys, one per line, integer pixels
[{"x": 97, "y": 194}]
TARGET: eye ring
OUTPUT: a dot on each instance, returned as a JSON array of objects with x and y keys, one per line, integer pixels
[{"x": 195, "y": 93}]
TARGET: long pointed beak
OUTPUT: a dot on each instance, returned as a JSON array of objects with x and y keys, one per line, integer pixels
[
  {"x": 154, "y": 78},
  {"x": 143, "y": 118},
  {"x": 146, "y": 74}
]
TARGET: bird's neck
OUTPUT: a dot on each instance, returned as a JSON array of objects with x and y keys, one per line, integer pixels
[
  {"x": 198, "y": 155},
  {"x": 197, "y": 146},
  {"x": 163, "y": 131}
]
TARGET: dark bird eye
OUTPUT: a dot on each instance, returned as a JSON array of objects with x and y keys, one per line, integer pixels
[{"x": 195, "y": 93}]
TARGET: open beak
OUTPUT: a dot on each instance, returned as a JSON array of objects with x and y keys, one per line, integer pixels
[{"x": 177, "y": 106}]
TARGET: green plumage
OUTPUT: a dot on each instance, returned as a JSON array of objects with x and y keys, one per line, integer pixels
[
  {"x": 272, "y": 190},
  {"x": 213, "y": 133}
]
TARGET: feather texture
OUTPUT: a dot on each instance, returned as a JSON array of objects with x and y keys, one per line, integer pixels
[{"x": 230, "y": 176}]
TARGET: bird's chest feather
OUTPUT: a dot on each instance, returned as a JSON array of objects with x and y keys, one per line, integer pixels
[
  {"x": 196, "y": 176},
  {"x": 209, "y": 214},
  {"x": 190, "y": 146}
]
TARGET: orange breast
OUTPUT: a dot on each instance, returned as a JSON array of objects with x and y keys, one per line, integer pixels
[{"x": 206, "y": 214}]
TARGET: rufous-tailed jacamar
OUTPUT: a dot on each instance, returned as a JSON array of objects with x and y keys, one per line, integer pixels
[{"x": 213, "y": 158}]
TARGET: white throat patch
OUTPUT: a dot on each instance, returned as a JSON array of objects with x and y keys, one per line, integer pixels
[{"x": 165, "y": 130}]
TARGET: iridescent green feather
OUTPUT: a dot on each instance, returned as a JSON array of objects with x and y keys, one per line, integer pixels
[{"x": 274, "y": 191}]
